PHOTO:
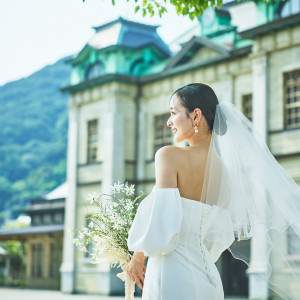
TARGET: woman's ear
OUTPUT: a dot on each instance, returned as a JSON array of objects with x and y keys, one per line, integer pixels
[{"x": 197, "y": 115}]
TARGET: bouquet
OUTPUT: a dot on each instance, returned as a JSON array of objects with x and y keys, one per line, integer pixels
[{"x": 108, "y": 228}]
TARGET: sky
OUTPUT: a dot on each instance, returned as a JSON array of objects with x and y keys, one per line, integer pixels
[{"x": 35, "y": 33}]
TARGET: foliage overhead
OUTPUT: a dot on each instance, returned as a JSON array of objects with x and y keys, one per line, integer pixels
[{"x": 191, "y": 8}]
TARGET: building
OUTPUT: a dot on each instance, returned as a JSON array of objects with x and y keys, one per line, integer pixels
[
  {"x": 119, "y": 101},
  {"x": 42, "y": 240}
]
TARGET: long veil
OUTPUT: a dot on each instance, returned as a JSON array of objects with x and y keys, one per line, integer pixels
[{"x": 243, "y": 179}]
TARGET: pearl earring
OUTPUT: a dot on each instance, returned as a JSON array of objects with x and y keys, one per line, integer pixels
[{"x": 195, "y": 127}]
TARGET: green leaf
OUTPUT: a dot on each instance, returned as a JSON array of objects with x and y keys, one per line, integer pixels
[{"x": 136, "y": 9}]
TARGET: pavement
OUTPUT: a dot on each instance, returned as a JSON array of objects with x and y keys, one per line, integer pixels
[{"x": 28, "y": 294}]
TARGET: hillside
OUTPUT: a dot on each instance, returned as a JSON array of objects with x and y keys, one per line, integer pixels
[{"x": 33, "y": 137}]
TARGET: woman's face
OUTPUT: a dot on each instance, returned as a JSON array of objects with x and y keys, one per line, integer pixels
[{"x": 181, "y": 125}]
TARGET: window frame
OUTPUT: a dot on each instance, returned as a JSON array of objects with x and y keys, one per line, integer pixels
[
  {"x": 92, "y": 144},
  {"x": 246, "y": 105},
  {"x": 37, "y": 253},
  {"x": 88, "y": 75},
  {"x": 167, "y": 135},
  {"x": 286, "y": 105}
]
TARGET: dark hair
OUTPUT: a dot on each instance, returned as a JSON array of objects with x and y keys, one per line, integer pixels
[{"x": 199, "y": 95}]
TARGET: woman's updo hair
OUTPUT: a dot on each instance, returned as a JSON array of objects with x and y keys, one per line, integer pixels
[{"x": 199, "y": 95}]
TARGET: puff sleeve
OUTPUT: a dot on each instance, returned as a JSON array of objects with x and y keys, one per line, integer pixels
[
  {"x": 156, "y": 226},
  {"x": 218, "y": 232}
]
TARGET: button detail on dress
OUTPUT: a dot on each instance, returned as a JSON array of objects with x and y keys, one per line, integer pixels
[{"x": 208, "y": 272}]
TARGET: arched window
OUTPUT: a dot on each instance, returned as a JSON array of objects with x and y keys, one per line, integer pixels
[
  {"x": 288, "y": 8},
  {"x": 136, "y": 66},
  {"x": 94, "y": 70}
]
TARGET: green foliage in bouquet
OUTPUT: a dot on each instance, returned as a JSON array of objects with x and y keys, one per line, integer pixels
[{"x": 109, "y": 225}]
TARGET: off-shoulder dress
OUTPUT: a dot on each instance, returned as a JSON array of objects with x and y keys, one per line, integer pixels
[{"x": 177, "y": 234}]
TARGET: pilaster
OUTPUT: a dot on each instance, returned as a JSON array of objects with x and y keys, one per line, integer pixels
[
  {"x": 114, "y": 144},
  {"x": 29, "y": 260},
  {"x": 228, "y": 90},
  {"x": 46, "y": 258},
  {"x": 142, "y": 130},
  {"x": 67, "y": 267},
  {"x": 258, "y": 287}
]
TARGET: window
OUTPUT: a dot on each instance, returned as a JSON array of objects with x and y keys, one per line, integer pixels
[
  {"x": 288, "y": 8},
  {"x": 94, "y": 70},
  {"x": 54, "y": 260},
  {"x": 58, "y": 218},
  {"x": 292, "y": 99},
  {"x": 137, "y": 67},
  {"x": 92, "y": 146},
  {"x": 36, "y": 220},
  {"x": 162, "y": 133},
  {"x": 37, "y": 260},
  {"x": 247, "y": 106},
  {"x": 293, "y": 242},
  {"x": 47, "y": 219}
]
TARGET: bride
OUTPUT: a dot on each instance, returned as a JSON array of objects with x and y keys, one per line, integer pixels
[{"x": 225, "y": 187}]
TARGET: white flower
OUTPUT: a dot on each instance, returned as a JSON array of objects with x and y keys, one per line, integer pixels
[
  {"x": 129, "y": 190},
  {"x": 117, "y": 187},
  {"x": 77, "y": 243},
  {"x": 91, "y": 225},
  {"x": 80, "y": 235},
  {"x": 92, "y": 198}
]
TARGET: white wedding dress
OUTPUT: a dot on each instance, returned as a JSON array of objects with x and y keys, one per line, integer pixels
[{"x": 176, "y": 234}]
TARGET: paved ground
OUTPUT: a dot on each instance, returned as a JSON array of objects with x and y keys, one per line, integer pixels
[{"x": 26, "y": 294}]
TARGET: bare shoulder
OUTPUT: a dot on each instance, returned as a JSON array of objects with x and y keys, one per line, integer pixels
[
  {"x": 166, "y": 167},
  {"x": 168, "y": 153}
]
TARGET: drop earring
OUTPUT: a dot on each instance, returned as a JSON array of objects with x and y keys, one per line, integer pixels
[{"x": 195, "y": 127}]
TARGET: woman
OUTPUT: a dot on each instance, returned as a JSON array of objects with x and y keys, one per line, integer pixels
[{"x": 219, "y": 189}]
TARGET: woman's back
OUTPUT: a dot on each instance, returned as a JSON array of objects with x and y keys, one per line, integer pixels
[{"x": 190, "y": 165}]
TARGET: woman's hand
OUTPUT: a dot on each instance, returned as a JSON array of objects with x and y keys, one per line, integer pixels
[{"x": 136, "y": 268}]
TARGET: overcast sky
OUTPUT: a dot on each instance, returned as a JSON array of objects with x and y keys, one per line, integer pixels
[{"x": 34, "y": 33}]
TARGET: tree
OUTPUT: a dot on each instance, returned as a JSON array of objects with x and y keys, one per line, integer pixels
[{"x": 192, "y": 8}]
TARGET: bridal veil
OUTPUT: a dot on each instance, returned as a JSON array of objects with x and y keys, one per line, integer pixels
[{"x": 243, "y": 178}]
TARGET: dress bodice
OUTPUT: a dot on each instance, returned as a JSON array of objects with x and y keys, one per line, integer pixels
[
  {"x": 193, "y": 218},
  {"x": 164, "y": 219}
]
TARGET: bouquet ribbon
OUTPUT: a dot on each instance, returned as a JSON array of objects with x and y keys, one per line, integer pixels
[{"x": 129, "y": 283}]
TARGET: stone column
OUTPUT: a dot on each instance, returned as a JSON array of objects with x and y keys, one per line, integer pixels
[
  {"x": 29, "y": 261},
  {"x": 113, "y": 124},
  {"x": 142, "y": 117},
  {"x": 46, "y": 258},
  {"x": 227, "y": 90},
  {"x": 114, "y": 152},
  {"x": 258, "y": 288},
  {"x": 67, "y": 267}
]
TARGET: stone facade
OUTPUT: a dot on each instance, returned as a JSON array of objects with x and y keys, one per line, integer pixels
[{"x": 235, "y": 64}]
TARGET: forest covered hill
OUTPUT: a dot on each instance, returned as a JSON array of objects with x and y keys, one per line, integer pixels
[{"x": 33, "y": 137}]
